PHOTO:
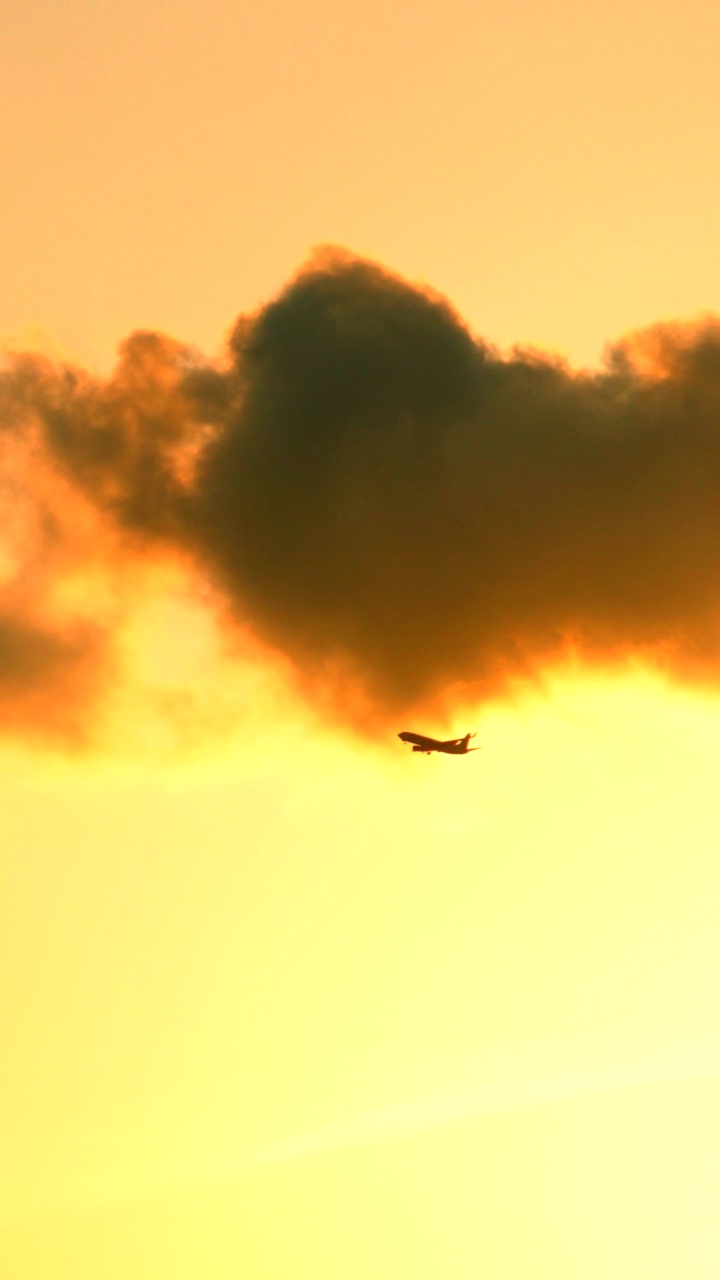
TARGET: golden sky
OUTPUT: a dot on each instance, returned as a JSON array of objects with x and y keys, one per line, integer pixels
[
  {"x": 548, "y": 167},
  {"x": 279, "y": 998}
]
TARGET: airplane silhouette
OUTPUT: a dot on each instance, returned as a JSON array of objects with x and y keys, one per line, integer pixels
[{"x": 453, "y": 746}]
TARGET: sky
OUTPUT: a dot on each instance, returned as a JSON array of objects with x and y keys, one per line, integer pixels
[{"x": 360, "y": 374}]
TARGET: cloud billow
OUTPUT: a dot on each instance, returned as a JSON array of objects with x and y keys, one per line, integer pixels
[
  {"x": 392, "y": 495},
  {"x": 392, "y": 503}
]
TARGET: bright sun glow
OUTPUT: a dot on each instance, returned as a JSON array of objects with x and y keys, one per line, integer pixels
[{"x": 317, "y": 964}]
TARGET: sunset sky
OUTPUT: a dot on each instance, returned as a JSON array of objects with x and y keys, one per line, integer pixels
[{"x": 280, "y": 998}]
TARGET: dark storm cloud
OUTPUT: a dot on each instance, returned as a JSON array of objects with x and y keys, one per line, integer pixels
[
  {"x": 395, "y": 505},
  {"x": 391, "y": 495}
]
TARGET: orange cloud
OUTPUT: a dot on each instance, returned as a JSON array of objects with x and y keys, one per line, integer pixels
[{"x": 374, "y": 492}]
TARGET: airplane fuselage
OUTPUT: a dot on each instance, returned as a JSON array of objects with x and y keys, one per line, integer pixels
[{"x": 451, "y": 746}]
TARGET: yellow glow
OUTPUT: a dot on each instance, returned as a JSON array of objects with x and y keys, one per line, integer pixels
[{"x": 272, "y": 980}]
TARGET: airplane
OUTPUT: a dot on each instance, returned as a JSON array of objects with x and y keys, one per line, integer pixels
[{"x": 453, "y": 746}]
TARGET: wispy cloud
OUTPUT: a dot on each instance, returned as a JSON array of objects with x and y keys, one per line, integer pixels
[{"x": 401, "y": 1120}]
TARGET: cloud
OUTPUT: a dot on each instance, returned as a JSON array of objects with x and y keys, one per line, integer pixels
[
  {"x": 47, "y": 681},
  {"x": 82, "y": 463},
  {"x": 390, "y": 498},
  {"x": 382, "y": 496}
]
